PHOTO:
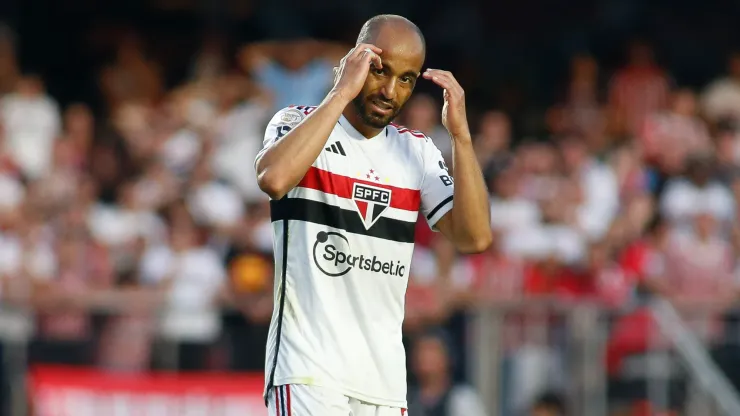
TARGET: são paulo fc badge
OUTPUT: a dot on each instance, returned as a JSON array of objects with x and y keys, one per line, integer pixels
[{"x": 370, "y": 201}]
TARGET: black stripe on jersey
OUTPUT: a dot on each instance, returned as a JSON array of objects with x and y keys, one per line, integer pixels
[
  {"x": 283, "y": 405},
  {"x": 439, "y": 206},
  {"x": 281, "y": 308},
  {"x": 332, "y": 216}
]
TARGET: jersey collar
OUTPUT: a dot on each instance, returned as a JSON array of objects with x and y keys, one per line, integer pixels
[{"x": 353, "y": 133}]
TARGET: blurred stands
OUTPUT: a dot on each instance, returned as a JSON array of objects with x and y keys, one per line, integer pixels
[{"x": 133, "y": 235}]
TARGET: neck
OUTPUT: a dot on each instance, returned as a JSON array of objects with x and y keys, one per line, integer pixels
[{"x": 356, "y": 121}]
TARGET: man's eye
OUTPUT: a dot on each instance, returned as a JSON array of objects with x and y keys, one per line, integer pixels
[{"x": 377, "y": 71}]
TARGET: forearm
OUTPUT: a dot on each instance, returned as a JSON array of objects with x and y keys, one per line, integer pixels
[
  {"x": 471, "y": 213},
  {"x": 285, "y": 163}
]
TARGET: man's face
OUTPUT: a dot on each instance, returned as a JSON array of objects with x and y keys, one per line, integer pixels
[
  {"x": 387, "y": 89},
  {"x": 430, "y": 359}
]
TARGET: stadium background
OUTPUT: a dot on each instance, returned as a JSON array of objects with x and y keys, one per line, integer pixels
[{"x": 135, "y": 248}]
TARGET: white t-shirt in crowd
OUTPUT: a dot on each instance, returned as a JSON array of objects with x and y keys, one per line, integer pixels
[
  {"x": 197, "y": 276},
  {"x": 114, "y": 226},
  {"x": 682, "y": 201},
  {"x": 31, "y": 125},
  {"x": 239, "y": 139},
  {"x": 722, "y": 99},
  {"x": 215, "y": 204}
]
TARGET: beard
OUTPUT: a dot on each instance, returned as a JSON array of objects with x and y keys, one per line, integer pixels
[{"x": 367, "y": 115}]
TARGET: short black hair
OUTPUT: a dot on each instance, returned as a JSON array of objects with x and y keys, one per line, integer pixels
[{"x": 370, "y": 29}]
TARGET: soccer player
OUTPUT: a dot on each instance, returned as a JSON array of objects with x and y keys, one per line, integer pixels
[{"x": 346, "y": 186}]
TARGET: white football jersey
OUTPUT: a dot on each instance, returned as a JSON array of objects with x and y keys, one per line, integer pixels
[{"x": 343, "y": 241}]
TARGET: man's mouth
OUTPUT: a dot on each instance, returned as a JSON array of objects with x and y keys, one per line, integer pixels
[{"x": 381, "y": 107}]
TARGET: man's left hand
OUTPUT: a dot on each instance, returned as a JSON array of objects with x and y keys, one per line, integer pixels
[{"x": 454, "y": 116}]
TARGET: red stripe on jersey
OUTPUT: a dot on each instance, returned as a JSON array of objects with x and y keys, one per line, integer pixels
[
  {"x": 402, "y": 130},
  {"x": 287, "y": 395},
  {"x": 341, "y": 186},
  {"x": 277, "y": 401}
]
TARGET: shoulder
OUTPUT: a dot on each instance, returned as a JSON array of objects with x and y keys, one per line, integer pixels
[
  {"x": 413, "y": 139},
  {"x": 292, "y": 115},
  {"x": 407, "y": 133}
]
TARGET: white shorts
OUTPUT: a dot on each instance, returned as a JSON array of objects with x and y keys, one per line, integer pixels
[{"x": 304, "y": 400}]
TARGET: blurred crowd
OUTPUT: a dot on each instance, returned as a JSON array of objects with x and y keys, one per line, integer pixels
[{"x": 147, "y": 211}]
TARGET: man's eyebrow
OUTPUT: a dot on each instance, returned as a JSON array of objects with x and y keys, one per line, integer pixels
[
  {"x": 390, "y": 68},
  {"x": 412, "y": 73}
]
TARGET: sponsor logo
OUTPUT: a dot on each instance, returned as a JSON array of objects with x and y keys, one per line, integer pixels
[
  {"x": 333, "y": 256},
  {"x": 370, "y": 202},
  {"x": 336, "y": 148},
  {"x": 292, "y": 117}
]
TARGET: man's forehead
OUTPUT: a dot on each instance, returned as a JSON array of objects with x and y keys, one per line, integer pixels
[{"x": 401, "y": 45}]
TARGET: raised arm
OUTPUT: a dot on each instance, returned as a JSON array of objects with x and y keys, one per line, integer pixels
[
  {"x": 254, "y": 55},
  {"x": 468, "y": 222},
  {"x": 293, "y": 145}
]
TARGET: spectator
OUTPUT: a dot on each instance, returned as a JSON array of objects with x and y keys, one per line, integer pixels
[
  {"x": 241, "y": 110},
  {"x": 435, "y": 393},
  {"x": 132, "y": 76},
  {"x": 493, "y": 141},
  {"x": 721, "y": 99},
  {"x": 683, "y": 198},
  {"x": 638, "y": 89},
  {"x": 31, "y": 123},
  {"x": 194, "y": 275},
  {"x": 296, "y": 72},
  {"x": 250, "y": 273},
  {"x": 495, "y": 276},
  {"x": 727, "y": 144},
  {"x": 548, "y": 404},
  {"x": 510, "y": 211},
  {"x": 598, "y": 186},
  {"x": 423, "y": 114},
  {"x": 211, "y": 203},
  {"x": 679, "y": 129},
  {"x": 65, "y": 328},
  {"x": 581, "y": 107}
]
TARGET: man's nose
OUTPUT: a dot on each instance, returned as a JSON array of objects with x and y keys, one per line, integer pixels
[{"x": 389, "y": 90}]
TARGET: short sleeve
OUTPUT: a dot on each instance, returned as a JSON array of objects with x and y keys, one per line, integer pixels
[
  {"x": 281, "y": 123},
  {"x": 437, "y": 185}
]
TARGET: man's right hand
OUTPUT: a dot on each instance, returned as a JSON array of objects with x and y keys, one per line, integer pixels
[{"x": 350, "y": 76}]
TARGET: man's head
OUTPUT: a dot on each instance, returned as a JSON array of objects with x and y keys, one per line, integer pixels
[
  {"x": 387, "y": 89},
  {"x": 431, "y": 356},
  {"x": 684, "y": 102},
  {"x": 549, "y": 404}
]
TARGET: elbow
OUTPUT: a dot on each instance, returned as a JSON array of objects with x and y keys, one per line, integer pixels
[
  {"x": 478, "y": 244},
  {"x": 272, "y": 184}
]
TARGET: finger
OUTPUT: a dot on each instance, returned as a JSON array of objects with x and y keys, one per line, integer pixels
[
  {"x": 445, "y": 80},
  {"x": 441, "y": 80},
  {"x": 369, "y": 56},
  {"x": 436, "y": 73},
  {"x": 375, "y": 59},
  {"x": 363, "y": 46}
]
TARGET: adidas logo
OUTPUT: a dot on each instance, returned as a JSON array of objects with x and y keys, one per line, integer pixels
[{"x": 336, "y": 148}]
